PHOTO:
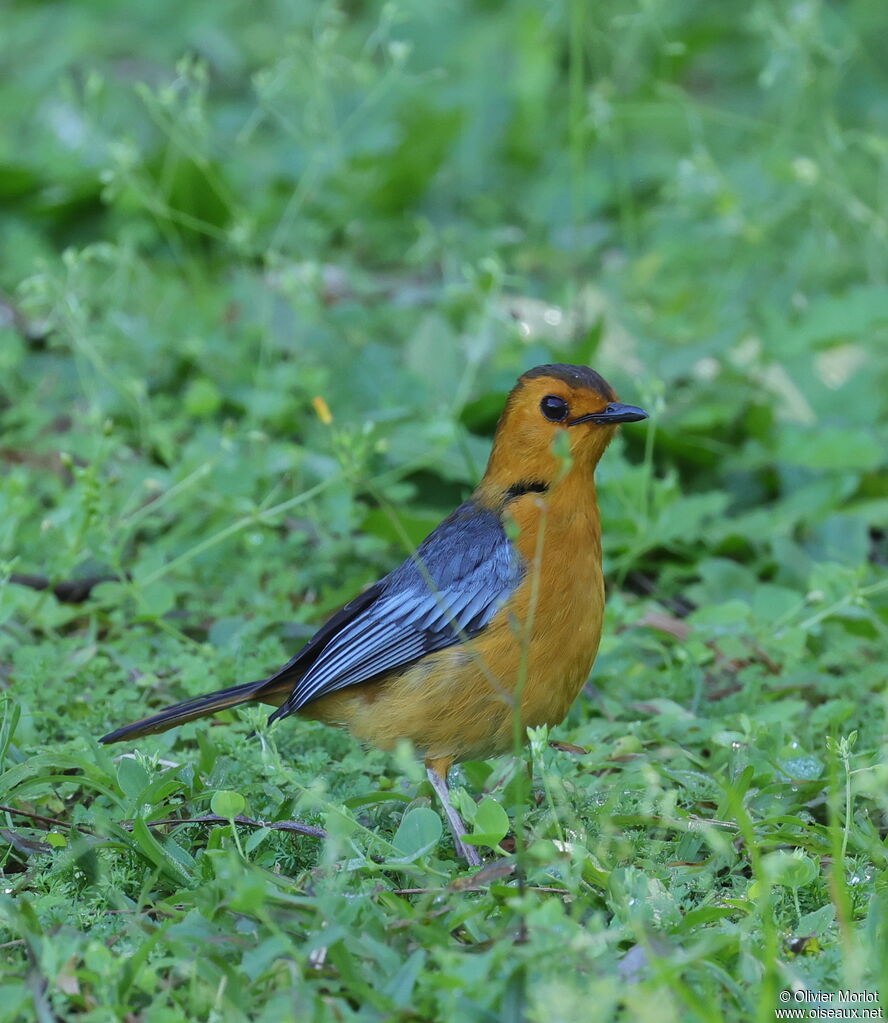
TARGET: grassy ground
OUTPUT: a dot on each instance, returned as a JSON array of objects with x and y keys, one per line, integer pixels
[{"x": 212, "y": 215}]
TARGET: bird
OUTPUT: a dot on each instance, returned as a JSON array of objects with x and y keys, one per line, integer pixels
[{"x": 491, "y": 626}]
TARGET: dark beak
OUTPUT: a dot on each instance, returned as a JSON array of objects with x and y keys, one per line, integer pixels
[{"x": 616, "y": 412}]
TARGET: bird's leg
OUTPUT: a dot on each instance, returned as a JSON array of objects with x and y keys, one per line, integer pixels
[{"x": 437, "y": 773}]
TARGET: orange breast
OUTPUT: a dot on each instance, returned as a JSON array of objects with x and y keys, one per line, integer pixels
[{"x": 460, "y": 703}]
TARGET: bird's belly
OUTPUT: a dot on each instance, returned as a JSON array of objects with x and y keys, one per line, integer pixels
[{"x": 460, "y": 703}]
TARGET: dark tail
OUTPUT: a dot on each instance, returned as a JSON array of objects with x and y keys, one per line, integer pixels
[{"x": 273, "y": 691}]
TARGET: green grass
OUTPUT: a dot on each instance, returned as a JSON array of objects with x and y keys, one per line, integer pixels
[{"x": 214, "y": 214}]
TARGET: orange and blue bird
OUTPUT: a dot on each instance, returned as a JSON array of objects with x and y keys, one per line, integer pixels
[{"x": 491, "y": 626}]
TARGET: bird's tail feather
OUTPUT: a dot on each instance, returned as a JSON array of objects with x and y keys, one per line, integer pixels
[{"x": 264, "y": 691}]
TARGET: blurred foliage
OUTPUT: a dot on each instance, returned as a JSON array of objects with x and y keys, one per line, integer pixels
[{"x": 215, "y": 214}]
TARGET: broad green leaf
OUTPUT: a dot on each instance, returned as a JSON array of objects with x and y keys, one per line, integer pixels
[
  {"x": 227, "y": 803},
  {"x": 156, "y": 599},
  {"x": 490, "y": 825},
  {"x": 131, "y": 777},
  {"x": 817, "y": 922},
  {"x": 154, "y": 850},
  {"x": 400, "y": 987},
  {"x": 790, "y": 870},
  {"x": 418, "y": 832}
]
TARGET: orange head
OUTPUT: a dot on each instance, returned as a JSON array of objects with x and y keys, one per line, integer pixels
[{"x": 547, "y": 404}]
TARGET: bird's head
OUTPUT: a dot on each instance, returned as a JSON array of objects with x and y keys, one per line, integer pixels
[{"x": 557, "y": 419}]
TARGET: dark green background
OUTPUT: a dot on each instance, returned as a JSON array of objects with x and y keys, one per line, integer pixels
[{"x": 213, "y": 213}]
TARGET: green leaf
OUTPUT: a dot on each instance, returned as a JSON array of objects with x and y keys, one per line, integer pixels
[
  {"x": 400, "y": 987},
  {"x": 373, "y": 798},
  {"x": 831, "y": 447},
  {"x": 418, "y": 832},
  {"x": 491, "y": 824},
  {"x": 817, "y": 922},
  {"x": 202, "y": 398},
  {"x": 14, "y": 997},
  {"x": 156, "y": 600},
  {"x": 132, "y": 777},
  {"x": 790, "y": 870},
  {"x": 227, "y": 803},
  {"x": 592, "y": 871},
  {"x": 154, "y": 851},
  {"x": 258, "y": 836},
  {"x": 700, "y": 916}
]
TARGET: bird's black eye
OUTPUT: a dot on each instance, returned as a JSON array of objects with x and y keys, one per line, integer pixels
[{"x": 554, "y": 408}]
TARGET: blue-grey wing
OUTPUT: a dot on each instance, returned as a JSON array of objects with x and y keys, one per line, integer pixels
[{"x": 460, "y": 576}]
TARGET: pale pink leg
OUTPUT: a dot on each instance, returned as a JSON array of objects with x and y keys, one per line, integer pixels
[{"x": 457, "y": 827}]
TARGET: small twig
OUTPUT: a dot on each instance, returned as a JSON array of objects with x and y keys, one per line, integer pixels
[
  {"x": 295, "y": 827},
  {"x": 24, "y": 845},
  {"x": 54, "y": 821},
  {"x": 449, "y": 890},
  {"x": 145, "y": 911}
]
